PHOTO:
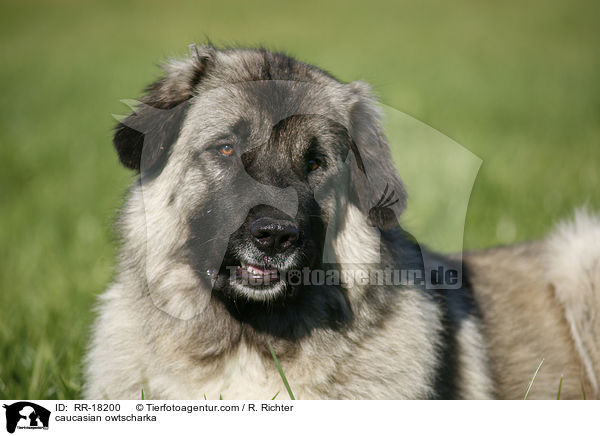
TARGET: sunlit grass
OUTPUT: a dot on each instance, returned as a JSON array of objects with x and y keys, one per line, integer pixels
[{"x": 533, "y": 380}]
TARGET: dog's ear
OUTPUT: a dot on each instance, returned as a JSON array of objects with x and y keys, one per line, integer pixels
[
  {"x": 383, "y": 196},
  {"x": 143, "y": 138}
]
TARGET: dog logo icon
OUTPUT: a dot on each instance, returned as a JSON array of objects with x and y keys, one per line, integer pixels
[{"x": 26, "y": 415}]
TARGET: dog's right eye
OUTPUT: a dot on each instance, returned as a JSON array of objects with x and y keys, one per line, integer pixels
[{"x": 226, "y": 150}]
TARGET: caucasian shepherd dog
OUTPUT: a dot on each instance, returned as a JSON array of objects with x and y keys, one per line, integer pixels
[{"x": 266, "y": 197}]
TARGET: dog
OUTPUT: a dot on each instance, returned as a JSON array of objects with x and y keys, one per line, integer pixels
[{"x": 266, "y": 199}]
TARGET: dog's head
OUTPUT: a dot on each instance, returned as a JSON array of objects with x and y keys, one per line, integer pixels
[{"x": 254, "y": 165}]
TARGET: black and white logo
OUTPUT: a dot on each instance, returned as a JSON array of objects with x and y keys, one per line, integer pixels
[{"x": 26, "y": 415}]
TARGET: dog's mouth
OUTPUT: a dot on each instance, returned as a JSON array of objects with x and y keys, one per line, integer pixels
[
  {"x": 257, "y": 281},
  {"x": 257, "y": 275}
]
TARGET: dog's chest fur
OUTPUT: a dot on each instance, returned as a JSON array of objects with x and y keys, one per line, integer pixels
[
  {"x": 242, "y": 374},
  {"x": 134, "y": 350}
]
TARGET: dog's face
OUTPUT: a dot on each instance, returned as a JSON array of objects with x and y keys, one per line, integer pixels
[
  {"x": 254, "y": 165},
  {"x": 300, "y": 155}
]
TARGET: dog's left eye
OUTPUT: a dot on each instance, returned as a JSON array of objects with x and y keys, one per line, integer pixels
[
  {"x": 313, "y": 165},
  {"x": 226, "y": 150}
]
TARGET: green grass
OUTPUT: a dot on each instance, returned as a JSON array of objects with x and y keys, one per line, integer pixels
[
  {"x": 516, "y": 83},
  {"x": 281, "y": 374},
  {"x": 560, "y": 383}
]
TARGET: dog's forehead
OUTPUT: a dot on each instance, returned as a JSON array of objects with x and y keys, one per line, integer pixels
[{"x": 262, "y": 105}]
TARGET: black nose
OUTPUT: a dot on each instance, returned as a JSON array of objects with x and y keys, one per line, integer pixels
[{"x": 273, "y": 235}]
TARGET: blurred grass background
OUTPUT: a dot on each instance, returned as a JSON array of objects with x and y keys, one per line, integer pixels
[{"x": 515, "y": 82}]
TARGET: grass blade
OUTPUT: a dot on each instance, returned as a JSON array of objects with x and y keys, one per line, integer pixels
[
  {"x": 559, "y": 387},
  {"x": 285, "y": 382},
  {"x": 275, "y": 395},
  {"x": 142, "y": 395},
  {"x": 533, "y": 379}
]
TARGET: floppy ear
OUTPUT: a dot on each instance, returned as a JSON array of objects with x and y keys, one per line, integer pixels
[
  {"x": 383, "y": 196},
  {"x": 143, "y": 138}
]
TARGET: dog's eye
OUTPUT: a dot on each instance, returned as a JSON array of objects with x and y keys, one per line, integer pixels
[
  {"x": 226, "y": 150},
  {"x": 313, "y": 165}
]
